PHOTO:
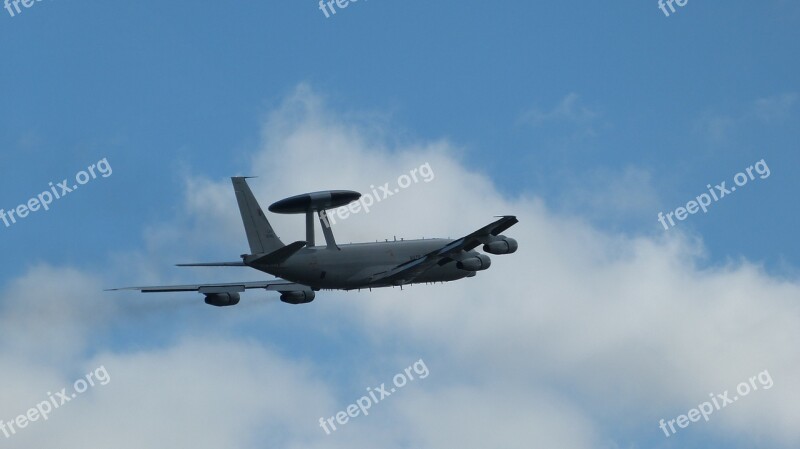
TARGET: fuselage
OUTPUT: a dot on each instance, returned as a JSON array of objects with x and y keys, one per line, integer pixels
[{"x": 351, "y": 265}]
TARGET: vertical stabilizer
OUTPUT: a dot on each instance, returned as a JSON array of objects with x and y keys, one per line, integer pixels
[{"x": 260, "y": 236}]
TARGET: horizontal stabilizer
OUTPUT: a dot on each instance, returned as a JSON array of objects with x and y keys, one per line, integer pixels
[
  {"x": 276, "y": 256},
  {"x": 212, "y": 264}
]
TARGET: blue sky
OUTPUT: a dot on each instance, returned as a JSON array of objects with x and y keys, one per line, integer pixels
[
  {"x": 594, "y": 116},
  {"x": 185, "y": 86}
]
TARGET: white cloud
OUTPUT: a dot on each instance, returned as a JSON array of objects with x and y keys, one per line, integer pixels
[
  {"x": 771, "y": 110},
  {"x": 569, "y": 109},
  {"x": 776, "y": 108},
  {"x": 49, "y": 314},
  {"x": 201, "y": 393},
  {"x": 610, "y": 194}
]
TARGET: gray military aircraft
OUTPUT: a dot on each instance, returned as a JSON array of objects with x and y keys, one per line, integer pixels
[{"x": 304, "y": 268}]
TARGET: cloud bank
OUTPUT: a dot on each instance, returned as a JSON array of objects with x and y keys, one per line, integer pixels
[{"x": 582, "y": 339}]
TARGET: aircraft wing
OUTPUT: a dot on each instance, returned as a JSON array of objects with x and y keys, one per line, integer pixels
[
  {"x": 407, "y": 271},
  {"x": 232, "y": 287}
]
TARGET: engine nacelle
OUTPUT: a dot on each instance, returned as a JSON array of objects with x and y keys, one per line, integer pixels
[
  {"x": 503, "y": 245},
  {"x": 222, "y": 299},
  {"x": 477, "y": 263},
  {"x": 298, "y": 297}
]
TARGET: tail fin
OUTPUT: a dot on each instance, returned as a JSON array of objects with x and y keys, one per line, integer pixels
[{"x": 260, "y": 236}]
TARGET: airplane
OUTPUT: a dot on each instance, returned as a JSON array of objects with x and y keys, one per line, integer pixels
[{"x": 302, "y": 268}]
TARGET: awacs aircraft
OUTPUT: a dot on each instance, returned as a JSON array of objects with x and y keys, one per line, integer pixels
[{"x": 304, "y": 268}]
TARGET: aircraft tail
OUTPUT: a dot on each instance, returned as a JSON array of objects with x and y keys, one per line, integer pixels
[{"x": 260, "y": 236}]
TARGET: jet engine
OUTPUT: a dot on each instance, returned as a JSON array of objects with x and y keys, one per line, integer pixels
[
  {"x": 222, "y": 299},
  {"x": 298, "y": 297},
  {"x": 501, "y": 245},
  {"x": 476, "y": 263}
]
